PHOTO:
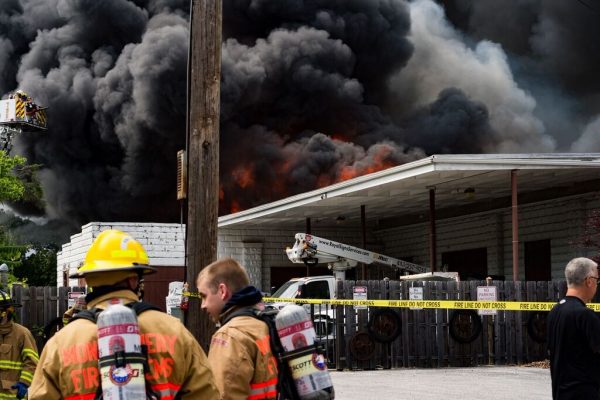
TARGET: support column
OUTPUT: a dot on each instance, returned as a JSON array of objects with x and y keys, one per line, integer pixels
[
  {"x": 363, "y": 224},
  {"x": 515, "y": 224},
  {"x": 432, "y": 237}
]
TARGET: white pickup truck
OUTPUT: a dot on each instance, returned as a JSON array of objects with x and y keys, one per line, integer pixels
[
  {"x": 323, "y": 287},
  {"x": 312, "y": 287}
]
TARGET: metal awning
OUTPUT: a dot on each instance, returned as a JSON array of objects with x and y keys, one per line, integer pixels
[{"x": 400, "y": 195}]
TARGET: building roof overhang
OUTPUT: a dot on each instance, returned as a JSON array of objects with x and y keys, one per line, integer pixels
[{"x": 462, "y": 184}]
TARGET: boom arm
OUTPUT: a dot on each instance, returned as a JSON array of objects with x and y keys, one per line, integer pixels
[{"x": 312, "y": 250}]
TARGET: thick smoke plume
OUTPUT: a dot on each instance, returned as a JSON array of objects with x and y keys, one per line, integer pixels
[{"x": 313, "y": 92}]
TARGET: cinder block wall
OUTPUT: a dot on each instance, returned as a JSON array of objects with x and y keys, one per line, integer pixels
[{"x": 164, "y": 243}]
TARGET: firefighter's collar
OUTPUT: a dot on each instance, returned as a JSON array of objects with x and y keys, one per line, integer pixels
[
  {"x": 6, "y": 327},
  {"x": 102, "y": 301}
]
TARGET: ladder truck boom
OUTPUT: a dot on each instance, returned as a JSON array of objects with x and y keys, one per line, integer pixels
[{"x": 311, "y": 250}]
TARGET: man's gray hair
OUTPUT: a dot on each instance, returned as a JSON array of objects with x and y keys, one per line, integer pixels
[{"x": 578, "y": 269}]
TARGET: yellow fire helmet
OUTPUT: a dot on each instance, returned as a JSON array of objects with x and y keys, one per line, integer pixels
[
  {"x": 113, "y": 256},
  {"x": 6, "y": 301}
]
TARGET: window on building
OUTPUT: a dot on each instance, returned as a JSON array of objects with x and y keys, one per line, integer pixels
[{"x": 537, "y": 260}]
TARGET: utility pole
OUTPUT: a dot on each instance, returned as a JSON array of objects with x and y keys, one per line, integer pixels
[{"x": 204, "y": 79}]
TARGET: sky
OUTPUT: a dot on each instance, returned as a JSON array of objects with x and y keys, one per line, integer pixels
[{"x": 313, "y": 92}]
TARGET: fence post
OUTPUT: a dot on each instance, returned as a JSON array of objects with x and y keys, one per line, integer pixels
[
  {"x": 340, "y": 348},
  {"x": 490, "y": 329}
]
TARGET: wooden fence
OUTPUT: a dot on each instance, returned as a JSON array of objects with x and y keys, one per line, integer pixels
[
  {"x": 427, "y": 337},
  {"x": 41, "y": 307}
]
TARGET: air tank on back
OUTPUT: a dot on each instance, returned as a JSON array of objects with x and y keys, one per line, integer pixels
[{"x": 309, "y": 368}]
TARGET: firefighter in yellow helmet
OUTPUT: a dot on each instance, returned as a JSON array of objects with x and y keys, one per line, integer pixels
[
  {"x": 177, "y": 367},
  {"x": 18, "y": 352}
]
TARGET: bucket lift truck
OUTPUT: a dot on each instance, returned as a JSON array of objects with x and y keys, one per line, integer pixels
[{"x": 312, "y": 250}]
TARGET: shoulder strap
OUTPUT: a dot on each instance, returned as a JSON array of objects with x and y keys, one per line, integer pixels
[
  {"x": 242, "y": 312},
  {"x": 92, "y": 314},
  {"x": 286, "y": 387},
  {"x": 140, "y": 306}
]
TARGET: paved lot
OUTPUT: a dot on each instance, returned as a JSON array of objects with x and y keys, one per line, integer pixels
[{"x": 486, "y": 383}]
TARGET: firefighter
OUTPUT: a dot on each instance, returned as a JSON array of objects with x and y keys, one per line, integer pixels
[
  {"x": 18, "y": 352},
  {"x": 240, "y": 351},
  {"x": 30, "y": 110},
  {"x": 68, "y": 367}
]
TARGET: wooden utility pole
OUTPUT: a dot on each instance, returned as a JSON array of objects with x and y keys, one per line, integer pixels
[{"x": 203, "y": 152}]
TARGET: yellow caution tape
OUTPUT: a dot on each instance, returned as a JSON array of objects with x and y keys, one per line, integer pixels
[{"x": 443, "y": 304}]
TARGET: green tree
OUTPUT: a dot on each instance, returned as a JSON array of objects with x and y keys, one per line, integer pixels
[
  {"x": 11, "y": 186},
  {"x": 33, "y": 196},
  {"x": 10, "y": 253},
  {"x": 38, "y": 266},
  {"x": 18, "y": 182}
]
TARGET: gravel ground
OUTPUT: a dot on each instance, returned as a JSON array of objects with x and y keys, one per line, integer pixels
[{"x": 486, "y": 383}]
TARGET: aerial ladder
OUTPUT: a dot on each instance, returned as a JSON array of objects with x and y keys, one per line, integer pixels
[
  {"x": 340, "y": 257},
  {"x": 18, "y": 114}
]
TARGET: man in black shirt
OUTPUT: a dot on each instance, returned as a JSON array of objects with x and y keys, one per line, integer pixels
[{"x": 574, "y": 336}]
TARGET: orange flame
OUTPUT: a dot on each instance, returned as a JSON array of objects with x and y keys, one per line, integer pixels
[
  {"x": 244, "y": 176},
  {"x": 324, "y": 180},
  {"x": 339, "y": 137},
  {"x": 235, "y": 207},
  {"x": 380, "y": 162},
  {"x": 279, "y": 182}
]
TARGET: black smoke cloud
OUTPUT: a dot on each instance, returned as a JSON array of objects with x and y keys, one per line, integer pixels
[
  {"x": 555, "y": 55},
  {"x": 313, "y": 92},
  {"x": 559, "y": 37},
  {"x": 451, "y": 122}
]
